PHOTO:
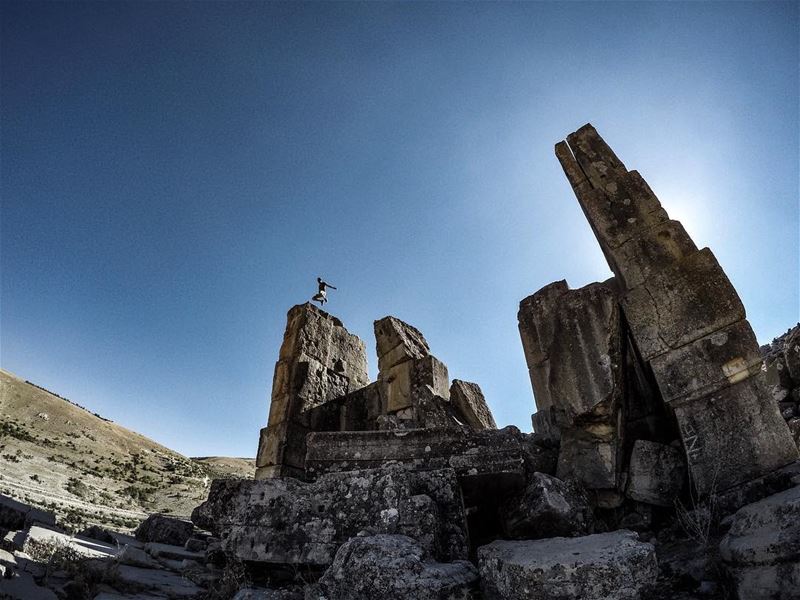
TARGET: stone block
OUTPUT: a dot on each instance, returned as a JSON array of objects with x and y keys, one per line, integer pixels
[
  {"x": 544, "y": 423},
  {"x": 285, "y": 521},
  {"x": 319, "y": 363},
  {"x": 578, "y": 334},
  {"x": 733, "y": 435},
  {"x": 762, "y": 547},
  {"x": 680, "y": 304},
  {"x": 647, "y": 253},
  {"x": 547, "y": 507},
  {"x": 284, "y": 443},
  {"x": 164, "y": 530},
  {"x": 394, "y": 566},
  {"x": 467, "y": 398},
  {"x": 656, "y": 474},
  {"x": 592, "y": 461},
  {"x": 404, "y": 384},
  {"x": 398, "y": 342},
  {"x": 536, "y": 325},
  {"x": 604, "y": 566},
  {"x": 708, "y": 364},
  {"x": 489, "y": 454}
]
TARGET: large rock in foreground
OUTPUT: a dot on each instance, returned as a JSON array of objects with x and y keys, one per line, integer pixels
[
  {"x": 605, "y": 566},
  {"x": 286, "y": 521},
  {"x": 762, "y": 548},
  {"x": 396, "y": 567}
]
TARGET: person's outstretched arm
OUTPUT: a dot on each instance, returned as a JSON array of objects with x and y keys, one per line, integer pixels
[{"x": 331, "y": 286}]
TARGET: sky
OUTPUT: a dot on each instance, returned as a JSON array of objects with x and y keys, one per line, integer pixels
[{"x": 174, "y": 176}]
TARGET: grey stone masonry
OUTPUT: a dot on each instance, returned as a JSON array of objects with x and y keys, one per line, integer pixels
[{"x": 686, "y": 320}]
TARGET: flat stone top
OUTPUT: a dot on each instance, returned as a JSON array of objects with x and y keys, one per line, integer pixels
[{"x": 551, "y": 552}]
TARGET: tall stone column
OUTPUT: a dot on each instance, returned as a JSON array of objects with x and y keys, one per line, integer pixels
[
  {"x": 574, "y": 348},
  {"x": 319, "y": 361},
  {"x": 686, "y": 319}
]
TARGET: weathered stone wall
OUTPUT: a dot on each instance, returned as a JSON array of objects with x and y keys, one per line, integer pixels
[
  {"x": 319, "y": 362},
  {"x": 686, "y": 319}
]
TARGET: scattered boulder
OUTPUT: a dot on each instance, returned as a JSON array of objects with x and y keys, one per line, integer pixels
[
  {"x": 604, "y": 566},
  {"x": 547, "y": 507},
  {"x": 762, "y": 548},
  {"x": 394, "y": 566},
  {"x": 165, "y": 530}
]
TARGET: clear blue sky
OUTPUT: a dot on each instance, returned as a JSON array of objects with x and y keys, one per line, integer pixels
[{"x": 175, "y": 176}]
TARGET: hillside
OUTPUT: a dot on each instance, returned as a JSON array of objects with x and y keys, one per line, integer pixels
[{"x": 87, "y": 469}]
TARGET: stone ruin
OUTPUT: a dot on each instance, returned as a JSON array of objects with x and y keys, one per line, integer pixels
[{"x": 650, "y": 395}]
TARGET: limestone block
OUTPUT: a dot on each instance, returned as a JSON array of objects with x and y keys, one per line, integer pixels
[
  {"x": 762, "y": 547},
  {"x": 488, "y": 453},
  {"x": 284, "y": 443},
  {"x": 165, "y": 530},
  {"x": 733, "y": 435},
  {"x": 468, "y": 400},
  {"x": 536, "y": 325},
  {"x": 547, "y": 507},
  {"x": 394, "y": 566},
  {"x": 313, "y": 333},
  {"x": 592, "y": 461},
  {"x": 282, "y": 520},
  {"x": 398, "y": 342},
  {"x": 656, "y": 474},
  {"x": 396, "y": 386},
  {"x": 604, "y": 566},
  {"x": 578, "y": 334},
  {"x": 404, "y": 384},
  {"x": 717, "y": 360},
  {"x": 681, "y": 304},
  {"x": 652, "y": 250}
]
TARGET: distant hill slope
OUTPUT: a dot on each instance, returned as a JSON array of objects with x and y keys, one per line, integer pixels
[{"x": 58, "y": 455}]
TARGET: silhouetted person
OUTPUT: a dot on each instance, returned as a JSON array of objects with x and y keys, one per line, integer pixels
[{"x": 321, "y": 295}]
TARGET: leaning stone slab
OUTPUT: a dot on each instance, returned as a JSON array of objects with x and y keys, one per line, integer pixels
[
  {"x": 733, "y": 435},
  {"x": 762, "y": 548},
  {"x": 687, "y": 301},
  {"x": 605, "y": 566},
  {"x": 656, "y": 474},
  {"x": 394, "y": 566},
  {"x": 468, "y": 400},
  {"x": 398, "y": 342},
  {"x": 286, "y": 521},
  {"x": 709, "y": 364}
]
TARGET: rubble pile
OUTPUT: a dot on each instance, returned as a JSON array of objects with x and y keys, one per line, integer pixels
[
  {"x": 781, "y": 374},
  {"x": 661, "y": 463}
]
